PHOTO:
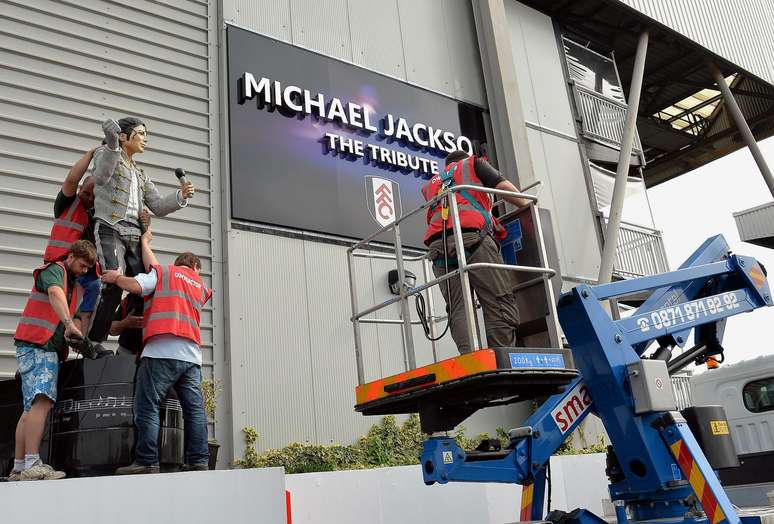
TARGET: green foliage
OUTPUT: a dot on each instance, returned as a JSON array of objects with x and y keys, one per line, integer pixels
[
  {"x": 567, "y": 449},
  {"x": 386, "y": 444},
  {"x": 210, "y": 391}
]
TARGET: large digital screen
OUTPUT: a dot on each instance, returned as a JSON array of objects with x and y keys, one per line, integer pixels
[{"x": 322, "y": 145}]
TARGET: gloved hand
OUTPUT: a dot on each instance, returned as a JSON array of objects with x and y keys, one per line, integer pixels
[
  {"x": 83, "y": 346},
  {"x": 111, "y": 130}
]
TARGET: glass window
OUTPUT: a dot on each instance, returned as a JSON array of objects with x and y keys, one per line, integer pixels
[{"x": 759, "y": 395}]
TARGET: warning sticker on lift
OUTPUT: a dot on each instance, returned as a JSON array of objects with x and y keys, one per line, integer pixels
[
  {"x": 448, "y": 457},
  {"x": 536, "y": 360},
  {"x": 719, "y": 427}
]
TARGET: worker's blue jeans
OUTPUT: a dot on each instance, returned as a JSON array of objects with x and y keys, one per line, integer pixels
[{"x": 154, "y": 379}]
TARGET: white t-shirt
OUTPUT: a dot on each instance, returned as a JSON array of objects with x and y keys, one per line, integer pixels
[{"x": 167, "y": 346}]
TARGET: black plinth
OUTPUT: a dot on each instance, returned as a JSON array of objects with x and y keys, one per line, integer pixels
[{"x": 91, "y": 427}]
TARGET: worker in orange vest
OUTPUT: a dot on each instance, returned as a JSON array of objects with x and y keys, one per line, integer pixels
[
  {"x": 171, "y": 357},
  {"x": 45, "y": 330},
  {"x": 481, "y": 233}
]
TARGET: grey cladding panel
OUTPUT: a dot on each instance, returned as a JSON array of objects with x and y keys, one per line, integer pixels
[
  {"x": 373, "y": 43},
  {"x": 464, "y": 57},
  {"x": 322, "y": 26},
  {"x": 426, "y": 52},
  {"x": 334, "y": 370},
  {"x": 270, "y": 338},
  {"x": 269, "y": 17}
]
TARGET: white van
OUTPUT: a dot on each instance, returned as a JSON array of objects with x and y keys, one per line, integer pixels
[{"x": 746, "y": 392}]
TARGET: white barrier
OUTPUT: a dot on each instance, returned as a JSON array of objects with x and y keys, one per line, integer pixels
[
  {"x": 389, "y": 495},
  {"x": 376, "y": 496},
  {"x": 252, "y": 495}
]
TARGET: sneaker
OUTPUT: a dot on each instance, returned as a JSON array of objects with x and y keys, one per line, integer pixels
[
  {"x": 40, "y": 471},
  {"x": 13, "y": 476},
  {"x": 194, "y": 467},
  {"x": 137, "y": 469}
]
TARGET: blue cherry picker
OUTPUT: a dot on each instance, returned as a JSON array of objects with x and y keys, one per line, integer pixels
[{"x": 621, "y": 373}]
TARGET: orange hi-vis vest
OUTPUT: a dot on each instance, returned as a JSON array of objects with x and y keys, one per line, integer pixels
[
  {"x": 475, "y": 207},
  {"x": 174, "y": 308},
  {"x": 68, "y": 227},
  {"x": 39, "y": 320}
]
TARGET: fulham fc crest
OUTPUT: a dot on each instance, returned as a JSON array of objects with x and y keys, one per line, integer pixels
[{"x": 383, "y": 199}]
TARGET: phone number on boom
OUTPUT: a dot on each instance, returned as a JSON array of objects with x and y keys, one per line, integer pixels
[{"x": 688, "y": 312}]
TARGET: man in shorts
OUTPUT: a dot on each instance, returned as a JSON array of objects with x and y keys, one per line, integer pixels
[{"x": 47, "y": 327}]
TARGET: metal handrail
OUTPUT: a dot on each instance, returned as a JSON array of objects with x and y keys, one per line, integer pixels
[
  {"x": 610, "y": 131},
  {"x": 461, "y": 272},
  {"x": 437, "y": 199}
]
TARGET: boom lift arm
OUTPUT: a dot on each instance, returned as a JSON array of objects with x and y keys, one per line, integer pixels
[{"x": 657, "y": 463}]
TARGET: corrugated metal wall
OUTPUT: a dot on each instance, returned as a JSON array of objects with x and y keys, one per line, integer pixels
[
  {"x": 431, "y": 43},
  {"x": 738, "y": 30},
  {"x": 65, "y": 66}
]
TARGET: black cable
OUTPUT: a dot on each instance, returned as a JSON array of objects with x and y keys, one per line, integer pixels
[
  {"x": 420, "y": 300},
  {"x": 548, "y": 481}
]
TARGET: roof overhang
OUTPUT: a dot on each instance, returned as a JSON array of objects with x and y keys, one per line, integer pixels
[{"x": 676, "y": 70}]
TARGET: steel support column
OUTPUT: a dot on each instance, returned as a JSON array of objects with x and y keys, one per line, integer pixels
[
  {"x": 744, "y": 129},
  {"x": 624, "y": 161}
]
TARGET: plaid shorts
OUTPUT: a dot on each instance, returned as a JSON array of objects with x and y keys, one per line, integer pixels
[{"x": 39, "y": 370}]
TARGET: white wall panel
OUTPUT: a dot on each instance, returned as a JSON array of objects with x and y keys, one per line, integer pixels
[
  {"x": 558, "y": 161},
  {"x": 539, "y": 67}
]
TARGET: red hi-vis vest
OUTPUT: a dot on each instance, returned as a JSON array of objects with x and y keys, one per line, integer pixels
[
  {"x": 475, "y": 214},
  {"x": 39, "y": 320},
  {"x": 68, "y": 227},
  {"x": 175, "y": 307}
]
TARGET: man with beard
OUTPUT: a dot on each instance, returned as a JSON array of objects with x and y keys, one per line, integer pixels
[{"x": 46, "y": 328}]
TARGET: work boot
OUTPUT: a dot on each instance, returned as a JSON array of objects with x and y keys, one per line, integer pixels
[
  {"x": 13, "y": 476},
  {"x": 137, "y": 469},
  {"x": 40, "y": 471},
  {"x": 194, "y": 467}
]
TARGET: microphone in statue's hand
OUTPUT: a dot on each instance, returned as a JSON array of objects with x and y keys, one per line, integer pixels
[{"x": 180, "y": 174}]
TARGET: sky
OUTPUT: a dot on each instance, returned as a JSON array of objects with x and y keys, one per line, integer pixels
[{"x": 699, "y": 204}]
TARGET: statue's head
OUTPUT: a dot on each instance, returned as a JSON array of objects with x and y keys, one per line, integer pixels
[{"x": 133, "y": 135}]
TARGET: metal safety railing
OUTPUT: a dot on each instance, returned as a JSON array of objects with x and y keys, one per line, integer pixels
[
  {"x": 603, "y": 118},
  {"x": 640, "y": 252},
  {"x": 463, "y": 268}
]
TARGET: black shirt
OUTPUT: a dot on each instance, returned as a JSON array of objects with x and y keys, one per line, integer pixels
[
  {"x": 488, "y": 175},
  {"x": 63, "y": 202}
]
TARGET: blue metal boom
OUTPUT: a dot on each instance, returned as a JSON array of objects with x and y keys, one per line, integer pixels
[{"x": 659, "y": 465}]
